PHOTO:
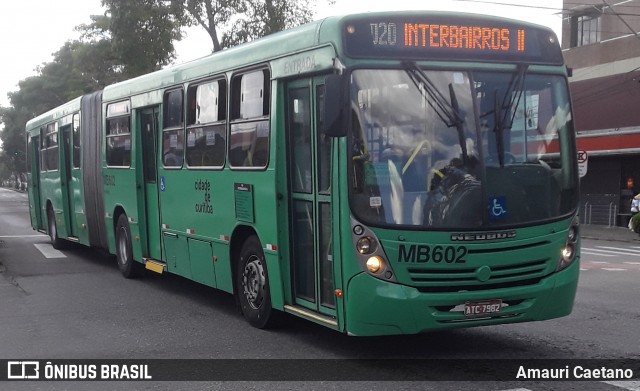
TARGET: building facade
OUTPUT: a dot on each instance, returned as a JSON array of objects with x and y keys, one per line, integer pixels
[{"x": 601, "y": 45}]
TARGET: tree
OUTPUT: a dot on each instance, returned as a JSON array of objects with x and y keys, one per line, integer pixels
[
  {"x": 13, "y": 140},
  {"x": 142, "y": 33},
  {"x": 134, "y": 37},
  {"x": 5, "y": 173},
  {"x": 77, "y": 68},
  {"x": 212, "y": 15},
  {"x": 243, "y": 20},
  {"x": 264, "y": 17}
]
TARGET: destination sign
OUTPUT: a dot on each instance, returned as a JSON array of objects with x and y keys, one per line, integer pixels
[
  {"x": 451, "y": 37},
  {"x": 119, "y": 108}
]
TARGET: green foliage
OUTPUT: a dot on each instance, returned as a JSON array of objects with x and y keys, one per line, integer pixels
[
  {"x": 212, "y": 15},
  {"x": 13, "y": 140},
  {"x": 134, "y": 37},
  {"x": 142, "y": 33},
  {"x": 241, "y": 21},
  {"x": 264, "y": 17},
  {"x": 77, "y": 68},
  {"x": 635, "y": 223},
  {"x": 5, "y": 173}
]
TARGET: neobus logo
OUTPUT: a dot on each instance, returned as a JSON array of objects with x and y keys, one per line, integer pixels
[{"x": 480, "y": 236}]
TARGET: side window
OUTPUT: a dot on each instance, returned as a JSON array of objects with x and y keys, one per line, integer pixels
[
  {"x": 172, "y": 129},
  {"x": 118, "y": 135},
  {"x": 249, "y": 143},
  {"x": 43, "y": 149},
  {"x": 323, "y": 145},
  {"x": 206, "y": 124},
  {"x": 300, "y": 134},
  {"x": 29, "y": 146},
  {"x": 76, "y": 141},
  {"x": 52, "y": 146}
]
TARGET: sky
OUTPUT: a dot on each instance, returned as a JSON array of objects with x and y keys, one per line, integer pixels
[{"x": 32, "y": 30}]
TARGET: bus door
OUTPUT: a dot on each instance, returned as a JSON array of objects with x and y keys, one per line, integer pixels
[
  {"x": 65, "y": 178},
  {"x": 37, "y": 217},
  {"x": 72, "y": 185},
  {"x": 149, "y": 140},
  {"x": 309, "y": 165}
]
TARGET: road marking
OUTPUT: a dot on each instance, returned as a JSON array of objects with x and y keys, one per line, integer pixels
[
  {"x": 633, "y": 263},
  {"x": 619, "y": 248},
  {"x": 583, "y": 251},
  {"x": 627, "y": 385},
  {"x": 626, "y": 251},
  {"x": 48, "y": 251},
  {"x": 607, "y": 266},
  {"x": 619, "y": 252}
]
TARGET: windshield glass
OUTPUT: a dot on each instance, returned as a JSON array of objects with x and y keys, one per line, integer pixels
[{"x": 454, "y": 149}]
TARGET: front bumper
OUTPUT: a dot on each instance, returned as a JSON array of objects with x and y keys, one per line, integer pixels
[{"x": 376, "y": 307}]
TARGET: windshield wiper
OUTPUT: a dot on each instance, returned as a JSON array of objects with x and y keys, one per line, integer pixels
[
  {"x": 459, "y": 123},
  {"x": 500, "y": 119},
  {"x": 449, "y": 113}
]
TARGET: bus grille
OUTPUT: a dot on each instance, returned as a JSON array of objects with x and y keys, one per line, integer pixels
[{"x": 439, "y": 280}]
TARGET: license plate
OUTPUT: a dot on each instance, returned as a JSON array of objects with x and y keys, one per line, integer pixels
[{"x": 472, "y": 308}]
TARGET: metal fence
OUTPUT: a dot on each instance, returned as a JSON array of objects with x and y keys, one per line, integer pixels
[{"x": 599, "y": 214}]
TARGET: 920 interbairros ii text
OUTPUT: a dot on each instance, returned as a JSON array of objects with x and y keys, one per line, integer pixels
[{"x": 576, "y": 372}]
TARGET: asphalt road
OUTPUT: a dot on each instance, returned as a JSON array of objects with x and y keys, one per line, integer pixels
[{"x": 76, "y": 305}]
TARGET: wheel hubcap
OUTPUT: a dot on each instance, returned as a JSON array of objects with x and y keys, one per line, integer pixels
[
  {"x": 253, "y": 282},
  {"x": 52, "y": 228},
  {"x": 122, "y": 246}
]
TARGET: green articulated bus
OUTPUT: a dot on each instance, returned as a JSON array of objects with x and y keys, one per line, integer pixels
[{"x": 383, "y": 173}]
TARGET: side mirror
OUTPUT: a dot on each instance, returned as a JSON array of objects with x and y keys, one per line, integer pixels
[{"x": 334, "y": 121}]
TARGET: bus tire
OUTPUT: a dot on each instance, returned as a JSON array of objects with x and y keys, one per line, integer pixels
[
  {"x": 124, "y": 252},
  {"x": 252, "y": 283},
  {"x": 56, "y": 242}
]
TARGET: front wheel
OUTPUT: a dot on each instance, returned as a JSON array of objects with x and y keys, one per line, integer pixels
[
  {"x": 124, "y": 253},
  {"x": 56, "y": 242},
  {"x": 252, "y": 283}
]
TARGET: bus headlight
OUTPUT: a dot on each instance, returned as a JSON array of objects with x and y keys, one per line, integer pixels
[
  {"x": 569, "y": 252},
  {"x": 369, "y": 252},
  {"x": 375, "y": 264},
  {"x": 366, "y": 245}
]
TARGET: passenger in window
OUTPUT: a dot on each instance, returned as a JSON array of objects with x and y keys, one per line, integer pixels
[
  {"x": 173, "y": 148},
  {"x": 172, "y": 159}
]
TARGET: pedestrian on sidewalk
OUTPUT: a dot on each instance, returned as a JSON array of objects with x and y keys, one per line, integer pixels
[{"x": 634, "y": 221}]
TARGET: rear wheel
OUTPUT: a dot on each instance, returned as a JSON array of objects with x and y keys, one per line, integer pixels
[
  {"x": 252, "y": 283},
  {"x": 124, "y": 253}
]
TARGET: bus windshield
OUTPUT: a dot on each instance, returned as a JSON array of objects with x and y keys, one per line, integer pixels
[{"x": 449, "y": 149}]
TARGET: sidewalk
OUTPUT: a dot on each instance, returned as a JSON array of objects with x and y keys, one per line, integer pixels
[{"x": 602, "y": 232}]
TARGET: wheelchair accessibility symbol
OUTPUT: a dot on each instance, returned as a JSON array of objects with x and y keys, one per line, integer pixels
[
  {"x": 497, "y": 208},
  {"x": 163, "y": 187}
]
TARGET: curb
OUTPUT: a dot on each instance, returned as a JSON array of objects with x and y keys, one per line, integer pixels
[{"x": 617, "y": 234}]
